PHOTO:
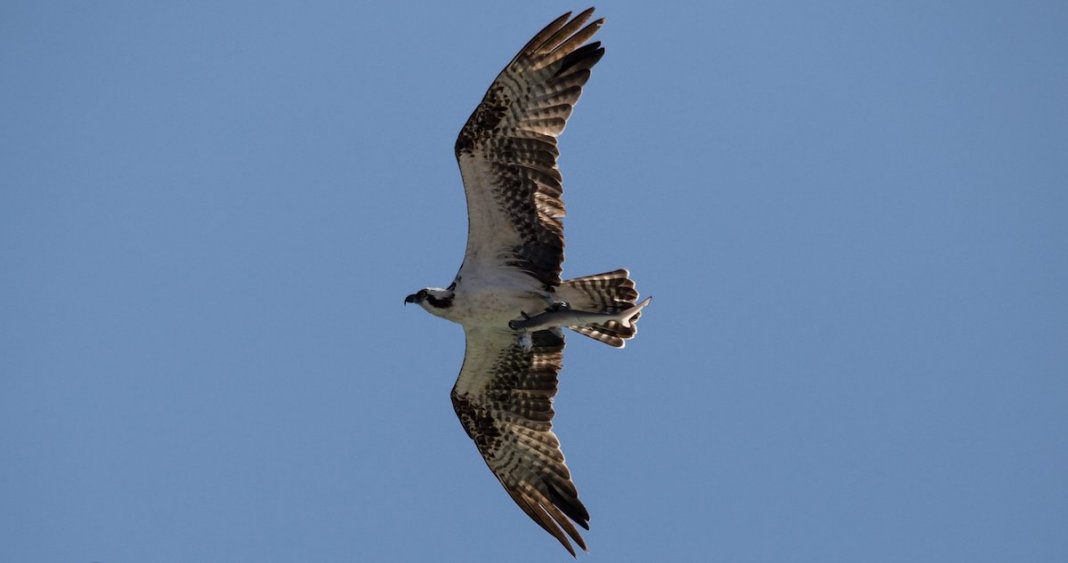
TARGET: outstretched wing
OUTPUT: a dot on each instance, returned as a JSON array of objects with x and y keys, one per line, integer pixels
[
  {"x": 504, "y": 400},
  {"x": 507, "y": 153}
]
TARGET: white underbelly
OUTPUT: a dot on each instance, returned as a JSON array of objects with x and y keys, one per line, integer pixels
[{"x": 495, "y": 307}]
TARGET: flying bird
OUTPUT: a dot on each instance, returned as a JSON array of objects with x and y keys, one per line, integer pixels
[{"x": 508, "y": 294}]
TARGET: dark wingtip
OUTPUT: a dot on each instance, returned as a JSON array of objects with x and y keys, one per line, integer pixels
[{"x": 570, "y": 505}]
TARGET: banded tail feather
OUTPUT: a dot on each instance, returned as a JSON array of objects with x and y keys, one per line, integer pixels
[{"x": 610, "y": 293}]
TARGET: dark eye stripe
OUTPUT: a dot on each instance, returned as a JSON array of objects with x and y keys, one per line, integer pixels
[{"x": 439, "y": 303}]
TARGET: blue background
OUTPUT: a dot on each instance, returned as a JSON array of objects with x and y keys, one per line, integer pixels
[{"x": 853, "y": 217}]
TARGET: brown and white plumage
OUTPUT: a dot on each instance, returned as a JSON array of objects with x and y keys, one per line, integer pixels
[
  {"x": 503, "y": 398},
  {"x": 515, "y": 249},
  {"x": 507, "y": 152},
  {"x": 610, "y": 292}
]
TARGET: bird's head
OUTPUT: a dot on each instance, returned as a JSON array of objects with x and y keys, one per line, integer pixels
[{"x": 435, "y": 300}]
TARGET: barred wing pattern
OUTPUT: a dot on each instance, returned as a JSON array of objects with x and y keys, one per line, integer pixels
[
  {"x": 504, "y": 400},
  {"x": 507, "y": 153}
]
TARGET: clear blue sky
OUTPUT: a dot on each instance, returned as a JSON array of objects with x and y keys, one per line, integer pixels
[{"x": 853, "y": 217}]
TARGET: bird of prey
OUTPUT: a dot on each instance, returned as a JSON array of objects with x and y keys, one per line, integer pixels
[{"x": 508, "y": 294}]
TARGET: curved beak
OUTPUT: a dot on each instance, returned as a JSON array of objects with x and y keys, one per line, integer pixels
[{"x": 410, "y": 299}]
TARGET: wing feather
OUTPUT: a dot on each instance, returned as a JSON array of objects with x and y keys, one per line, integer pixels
[
  {"x": 503, "y": 398},
  {"x": 508, "y": 155}
]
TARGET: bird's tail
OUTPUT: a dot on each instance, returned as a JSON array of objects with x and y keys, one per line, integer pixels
[{"x": 609, "y": 293}]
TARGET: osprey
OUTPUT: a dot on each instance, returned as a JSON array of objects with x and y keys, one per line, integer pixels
[{"x": 508, "y": 294}]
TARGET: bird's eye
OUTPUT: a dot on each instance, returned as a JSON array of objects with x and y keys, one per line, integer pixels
[{"x": 422, "y": 294}]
